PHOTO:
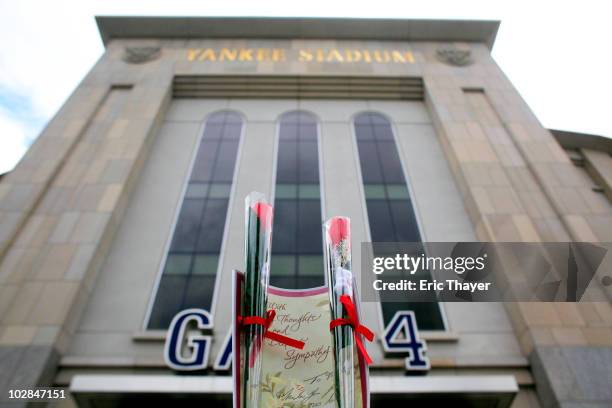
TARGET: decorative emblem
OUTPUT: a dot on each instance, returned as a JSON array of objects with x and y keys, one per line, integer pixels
[
  {"x": 453, "y": 56},
  {"x": 140, "y": 55}
]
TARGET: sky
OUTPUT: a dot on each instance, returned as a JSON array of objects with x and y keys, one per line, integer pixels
[{"x": 556, "y": 53}]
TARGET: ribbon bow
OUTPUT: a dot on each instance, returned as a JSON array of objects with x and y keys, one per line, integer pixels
[
  {"x": 358, "y": 329},
  {"x": 268, "y": 334}
]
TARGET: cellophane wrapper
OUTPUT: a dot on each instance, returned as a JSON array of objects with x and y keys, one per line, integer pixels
[
  {"x": 258, "y": 243},
  {"x": 340, "y": 281}
]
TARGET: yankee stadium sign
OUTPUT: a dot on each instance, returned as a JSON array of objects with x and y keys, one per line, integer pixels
[{"x": 337, "y": 55}]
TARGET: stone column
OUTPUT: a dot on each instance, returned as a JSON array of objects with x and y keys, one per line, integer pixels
[
  {"x": 60, "y": 207},
  {"x": 519, "y": 185}
]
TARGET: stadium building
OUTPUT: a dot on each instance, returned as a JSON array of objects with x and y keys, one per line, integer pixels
[{"x": 129, "y": 207}]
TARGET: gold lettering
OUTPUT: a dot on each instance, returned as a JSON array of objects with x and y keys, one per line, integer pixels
[
  {"x": 320, "y": 56},
  {"x": 278, "y": 55},
  {"x": 263, "y": 54},
  {"x": 381, "y": 57},
  {"x": 409, "y": 57},
  {"x": 192, "y": 54},
  {"x": 227, "y": 54},
  {"x": 397, "y": 57},
  {"x": 352, "y": 55},
  {"x": 305, "y": 56},
  {"x": 334, "y": 55},
  {"x": 208, "y": 54},
  {"x": 246, "y": 54}
]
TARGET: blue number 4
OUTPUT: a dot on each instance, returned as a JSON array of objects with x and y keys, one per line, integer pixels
[{"x": 402, "y": 337}]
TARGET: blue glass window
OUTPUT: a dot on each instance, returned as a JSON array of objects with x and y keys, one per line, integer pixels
[
  {"x": 189, "y": 274},
  {"x": 297, "y": 247},
  {"x": 390, "y": 210}
]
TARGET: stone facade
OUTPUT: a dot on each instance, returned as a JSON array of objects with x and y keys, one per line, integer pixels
[{"x": 85, "y": 215}]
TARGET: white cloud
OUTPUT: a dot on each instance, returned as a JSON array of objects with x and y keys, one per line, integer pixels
[
  {"x": 47, "y": 48},
  {"x": 14, "y": 142}
]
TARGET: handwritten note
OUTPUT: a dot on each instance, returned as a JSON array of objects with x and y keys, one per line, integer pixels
[{"x": 294, "y": 378}]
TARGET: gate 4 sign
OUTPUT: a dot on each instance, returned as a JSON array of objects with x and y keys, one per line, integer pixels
[
  {"x": 196, "y": 358},
  {"x": 188, "y": 350},
  {"x": 402, "y": 336},
  {"x": 223, "y": 362}
]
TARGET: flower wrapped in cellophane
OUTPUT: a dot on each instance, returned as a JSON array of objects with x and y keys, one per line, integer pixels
[
  {"x": 258, "y": 242},
  {"x": 345, "y": 327},
  {"x": 340, "y": 281}
]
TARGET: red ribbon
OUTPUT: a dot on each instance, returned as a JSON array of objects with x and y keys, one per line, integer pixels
[
  {"x": 268, "y": 334},
  {"x": 358, "y": 329}
]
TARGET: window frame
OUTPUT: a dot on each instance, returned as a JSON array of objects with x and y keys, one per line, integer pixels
[
  {"x": 364, "y": 208},
  {"x": 177, "y": 211},
  {"x": 277, "y": 127}
]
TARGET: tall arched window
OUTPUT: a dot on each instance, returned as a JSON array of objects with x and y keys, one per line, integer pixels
[
  {"x": 189, "y": 274},
  {"x": 297, "y": 247},
  {"x": 390, "y": 210}
]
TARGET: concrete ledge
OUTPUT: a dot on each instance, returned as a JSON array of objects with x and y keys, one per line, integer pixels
[
  {"x": 223, "y": 384},
  {"x": 146, "y": 384},
  {"x": 478, "y": 390},
  {"x": 573, "y": 376},
  {"x": 575, "y": 140},
  {"x": 483, "y": 31}
]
